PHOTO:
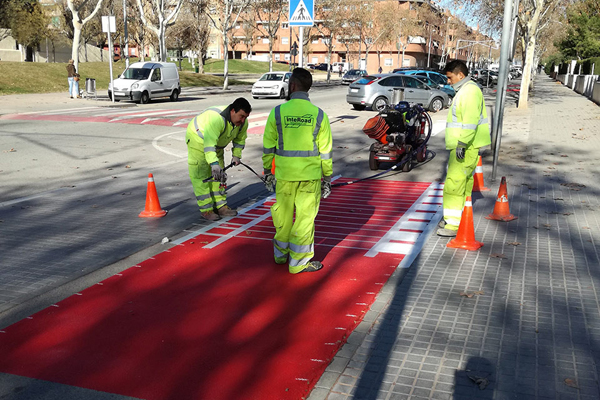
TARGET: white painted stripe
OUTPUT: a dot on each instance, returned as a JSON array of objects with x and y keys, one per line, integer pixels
[
  {"x": 383, "y": 245},
  {"x": 404, "y": 236},
  {"x": 416, "y": 249},
  {"x": 58, "y": 112},
  {"x": 146, "y": 114},
  {"x": 413, "y": 225},
  {"x": 428, "y": 207},
  {"x": 205, "y": 229},
  {"x": 171, "y": 153}
]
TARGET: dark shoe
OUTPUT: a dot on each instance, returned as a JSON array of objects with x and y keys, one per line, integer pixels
[
  {"x": 225, "y": 211},
  {"x": 312, "y": 267},
  {"x": 210, "y": 216},
  {"x": 444, "y": 232},
  {"x": 442, "y": 224}
]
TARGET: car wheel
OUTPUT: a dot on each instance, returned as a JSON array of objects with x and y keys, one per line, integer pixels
[
  {"x": 282, "y": 93},
  {"x": 145, "y": 98},
  {"x": 380, "y": 103},
  {"x": 359, "y": 107},
  {"x": 436, "y": 104},
  {"x": 175, "y": 95}
]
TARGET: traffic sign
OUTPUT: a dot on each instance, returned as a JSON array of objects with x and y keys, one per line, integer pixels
[{"x": 302, "y": 13}]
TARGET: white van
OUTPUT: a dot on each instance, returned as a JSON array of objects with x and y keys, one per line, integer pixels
[
  {"x": 143, "y": 81},
  {"x": 336, "y": 66}
]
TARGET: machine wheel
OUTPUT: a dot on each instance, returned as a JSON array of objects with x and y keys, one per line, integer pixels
[
  {"x": 282, "y": 93},
  {"x": 379, "y": 103},
  {"x": 175, "y": 95},
  {"x": 373, "y": 163},
  {"x": 145, "y": 99},
  {"x": 422, "y": 155},
  {"x": 358, "y": 107},
  {"x": 436, "y": 104},
  {"x": 407, "y": 166}
]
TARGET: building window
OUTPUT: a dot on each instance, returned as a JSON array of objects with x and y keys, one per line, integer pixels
[
  {"x": 285, "y": 25},
  {"x": 265, "y": 40},
  {"x": 388, "y": 62},
  {"x": 285, "y": 40},
  {"x": 277, "y": 57},
  {"x": 287, "y": 56},
  {"x": 315, "y": 40},
  {"x": 315, "y": 60}
]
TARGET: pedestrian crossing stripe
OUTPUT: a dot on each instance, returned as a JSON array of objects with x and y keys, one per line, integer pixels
[{"x": 302, "y": 15}]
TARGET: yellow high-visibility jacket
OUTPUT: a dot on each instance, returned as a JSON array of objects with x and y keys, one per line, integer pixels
[
  {"x": 467, "y": 120},
  {"x": 298, "y": 136},
  {"x": 212, "y": 130}
]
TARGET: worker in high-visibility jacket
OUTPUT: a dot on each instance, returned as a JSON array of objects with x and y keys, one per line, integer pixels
[
  {"x": 207, "y": 136},
  {"x": 298, "y": 137},
  {"x": 467, "y": 129}
]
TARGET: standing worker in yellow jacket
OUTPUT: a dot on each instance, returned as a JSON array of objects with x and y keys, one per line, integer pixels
[
  {"x": 298, "y": 136},
  {"x": 467, "y": 129},
  {"x": 207, "y": 136}
]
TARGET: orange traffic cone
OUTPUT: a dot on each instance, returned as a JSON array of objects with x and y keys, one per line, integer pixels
[
  {"x": 152, "y": 204},
  {"x": 465, "y": 237},
  {"x": 478, "y": 185},
  {"x": 501, "y": 209}
]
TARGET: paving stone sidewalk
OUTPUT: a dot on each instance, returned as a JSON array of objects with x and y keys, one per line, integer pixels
[{"x": 529, "y": 324}]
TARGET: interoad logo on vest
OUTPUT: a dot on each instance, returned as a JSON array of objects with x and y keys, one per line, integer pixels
[{"x": 297, "y": 122}]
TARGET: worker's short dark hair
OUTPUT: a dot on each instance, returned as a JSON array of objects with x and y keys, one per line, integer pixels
[
  {"x": 241, "y": 104},
  {"x": 302, "y": 78},
  {"x": 456, "y": 66}
]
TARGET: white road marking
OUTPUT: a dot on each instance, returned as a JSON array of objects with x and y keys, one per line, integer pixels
[{"x": 157, "y": 147}]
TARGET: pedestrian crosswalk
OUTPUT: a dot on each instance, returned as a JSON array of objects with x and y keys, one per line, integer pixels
[{"x": 162, "y": 117}]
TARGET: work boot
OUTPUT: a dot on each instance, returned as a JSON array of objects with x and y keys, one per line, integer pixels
[
  {"x": 311, "y": 267},
  {"x": 442, "y": 224},
  {"x": 445, "y": 232},
  {"x": 225, "y": 211},
  {"x": 210, "y": 216}
]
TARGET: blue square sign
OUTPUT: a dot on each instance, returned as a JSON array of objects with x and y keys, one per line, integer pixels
[{"x": 301, "y": 13}]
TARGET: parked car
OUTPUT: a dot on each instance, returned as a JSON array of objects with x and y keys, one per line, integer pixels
[
  {"x": 143, "y": 81},
  {"x": 484, "y": 76},
  {"x": 272, "y": 84},
  {"x": 322, "y": 67},
  {"x": 436, "y": 77},
  {"x": 352, "y": 75},
  {"x": 376, "y": 91},
  {"x": 448, "y": 89}
]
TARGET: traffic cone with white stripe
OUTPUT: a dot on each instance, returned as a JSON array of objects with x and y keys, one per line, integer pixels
[
  {"x": 152, "y": 204},
  {"x": 465, "y": 237},
  {"x": 478, "y": 185},
  {"x": 501, "y": 208}
]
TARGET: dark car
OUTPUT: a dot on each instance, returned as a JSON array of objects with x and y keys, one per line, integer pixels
[
  {"x": 352, "y": 75},
  {"x": 322, "y": 67}
]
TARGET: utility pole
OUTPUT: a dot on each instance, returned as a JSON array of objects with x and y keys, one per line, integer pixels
[{"x": 126, "y": 37}]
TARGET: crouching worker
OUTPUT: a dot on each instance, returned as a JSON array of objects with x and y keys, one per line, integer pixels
[
  {"x": 298, "y": 136},
  {"x": 207, "y": 136}
]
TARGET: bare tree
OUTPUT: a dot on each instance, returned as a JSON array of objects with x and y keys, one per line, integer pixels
[
  {"x": 330, "y": 26},
  {"x": 200, "y": 29},
  {"x": 224, "y": 15},
  {"x": 166, "y": 11},
  {"x": 268, "y": 15},
  {"x": 77, "y": 8},
  {"x": 249, "y": 31}
]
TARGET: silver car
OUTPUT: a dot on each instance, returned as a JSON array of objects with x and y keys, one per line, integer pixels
[
  {"x": 352, "y": 75},
  {"x": 272, "y": 84},
  {"x": 375, "y": 92}
]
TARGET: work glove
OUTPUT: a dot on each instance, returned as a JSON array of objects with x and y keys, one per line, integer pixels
[
  {"x": 460, "y": 151},
  {"x": 217, "y": 172},
  {"x": 270, "y": 182},
  {"x": 236, "y": 160},
  {"x": 326, "y": 187}
]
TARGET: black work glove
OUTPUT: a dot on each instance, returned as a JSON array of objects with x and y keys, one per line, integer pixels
[
  {"x": 326, "y": 187},
  {"x": 217, "y": 172},
  {"x": 270, "y": 182},
  {"x": 460, "y": 151}
]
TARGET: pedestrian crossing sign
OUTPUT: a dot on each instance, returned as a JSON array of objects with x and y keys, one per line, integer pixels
[{"x": 302, "y": 12}]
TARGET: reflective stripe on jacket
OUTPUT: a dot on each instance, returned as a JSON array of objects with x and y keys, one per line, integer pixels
[
  {"x": 298, "y": 136},
  {"x": 212, "y": 130},
  {"x": 467, "y": 120}
]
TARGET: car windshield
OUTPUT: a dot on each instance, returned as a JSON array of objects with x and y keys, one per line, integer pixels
[
  {"x": 136, "y": 73},
  {"x": 364, "y": 80},
  {"x": 271, "y": 77},
  {"x": 354, "y": 72}
]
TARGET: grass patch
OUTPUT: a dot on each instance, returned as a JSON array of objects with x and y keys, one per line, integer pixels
[{"x": 28, "y": 77}]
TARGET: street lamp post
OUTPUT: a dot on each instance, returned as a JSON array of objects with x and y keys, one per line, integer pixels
[{"x": 126, "y": 37}]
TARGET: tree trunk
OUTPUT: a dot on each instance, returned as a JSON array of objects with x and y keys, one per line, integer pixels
[
  {"x": 526, "y": 79},
  {"x": 225, "y": 62},
  {"x": 271, "y": 54},
  {"x": 76, "y": 39}
]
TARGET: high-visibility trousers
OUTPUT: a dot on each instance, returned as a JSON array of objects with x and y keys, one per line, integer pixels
[
  {"x": 295, "y": 238},
  {"x": 458, "y": 185},
  {"x": 209, "y": 195}
]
